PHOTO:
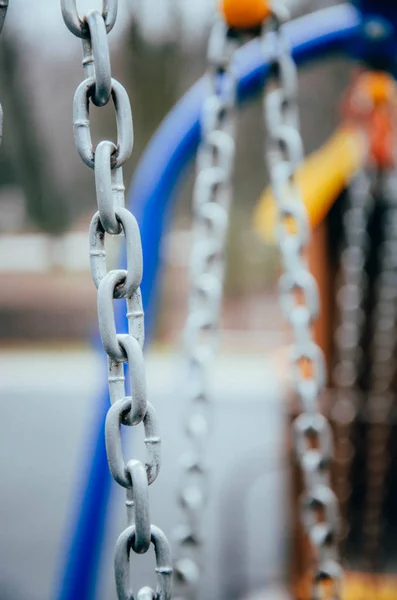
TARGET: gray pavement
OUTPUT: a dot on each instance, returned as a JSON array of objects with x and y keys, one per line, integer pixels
[{"x": 47, "y": 403}]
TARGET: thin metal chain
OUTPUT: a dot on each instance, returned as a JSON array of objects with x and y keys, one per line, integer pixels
[
  {"x": 211, "y": 205},
  {"x": 380, "y": 401},
  {"x": 300, "y": 304},
  {"x": 113, "y": 218},
  {"x": 348, "y": 351},
  {"x": 3, "y": 12}
]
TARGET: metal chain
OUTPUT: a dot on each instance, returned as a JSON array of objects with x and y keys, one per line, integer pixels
[
  {"x": 113, "y": 218},
  {"x": 3, "y": 12},
  {"x": 348, "y": 352},
  {"x": 380, "y": 401},
  {"x": 211, "y": 205},
  {"x": 300, "y": 304}
]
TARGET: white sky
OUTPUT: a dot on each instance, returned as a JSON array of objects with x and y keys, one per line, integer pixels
[{"x": 40, "y": 21}]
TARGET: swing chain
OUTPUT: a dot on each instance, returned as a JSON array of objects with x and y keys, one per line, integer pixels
[
  {"x": 3, "y": 12},
  {"x": 211, "y": 205},
  {"x": 380, "y": 399},
  {"x": 353, "y": 283},
  {"x": 300, "y": 304},
  {"x": 123, "y": 350}
]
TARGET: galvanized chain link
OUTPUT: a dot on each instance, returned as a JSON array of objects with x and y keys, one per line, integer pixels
[
  {"x": 3, "y": 12},
  {"x": 113, "y": 218},
  {"x": 348, "y": 351},
  {"x": 211, "y": 204},
  {"x": 380, "y": 402},
  {"x": 300, "y": 304}
]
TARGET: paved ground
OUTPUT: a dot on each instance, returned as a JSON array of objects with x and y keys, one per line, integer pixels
[{"x": 47, "y": 399}]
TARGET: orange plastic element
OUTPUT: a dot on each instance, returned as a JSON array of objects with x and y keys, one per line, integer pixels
[
  {"x": 371, "y": 104},
  {"x": 245, "y": 14},
  {"x": 357, "y": 586},
  {"x": 320, "y": 180}
]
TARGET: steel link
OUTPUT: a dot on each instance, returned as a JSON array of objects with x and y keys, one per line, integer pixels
[
  {"x": 124, "y": 545},
  {"x": 106, "y": 316},
  {"x": 96, "y": 59},
  {"x": 129, "y": 227},
  {"x": 114, "y": 219},
  {"x": 81, "y": 122},
  {"x": 109, "y": 186},
  {"x": 299, "y": 300},
  {"x": 138, "y": 504},
  {"x": 117, "y": 415},
  {"x": 78, "y": 26},
  {"x": 211, "y": 205}
]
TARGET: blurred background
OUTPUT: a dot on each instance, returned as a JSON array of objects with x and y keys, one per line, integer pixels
[{"x": 50, "y": 374}]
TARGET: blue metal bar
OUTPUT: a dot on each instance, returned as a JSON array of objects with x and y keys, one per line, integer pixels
[
  {"x": 376, "y": 45},
  {"x": 152, "y": 195}
]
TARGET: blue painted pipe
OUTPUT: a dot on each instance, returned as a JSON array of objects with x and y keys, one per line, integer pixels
[{"x": 152, "y": 196}]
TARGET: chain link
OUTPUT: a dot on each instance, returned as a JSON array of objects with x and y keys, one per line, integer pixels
[
  {"x": 299, "y": 301},
  {"x": 113, "y": 218},
  {"x": 348, "y": 351},
  {"x": 3, "y": 12},
  {"x": 380, "y": 401},
  {"x": 211, "y": 205}
]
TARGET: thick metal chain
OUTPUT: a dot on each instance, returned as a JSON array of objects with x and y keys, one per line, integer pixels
[
  {"x": 300, "y": 304},
  {"x": 211, "y": 204},
  {"x": 380, "y": 400},
  {"x": 348, "y": 351},
  {"x": 113, "y": 218},
  {"x": 3, "y": 12}
]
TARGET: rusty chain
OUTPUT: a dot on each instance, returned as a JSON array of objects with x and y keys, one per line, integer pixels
[{"x": 123, "y": 349}]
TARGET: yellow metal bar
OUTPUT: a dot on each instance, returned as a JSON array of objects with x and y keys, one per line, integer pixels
[{"x": 321, "y": 179}]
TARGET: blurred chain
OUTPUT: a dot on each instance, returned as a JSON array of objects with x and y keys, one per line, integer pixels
[
  {"x": 300, "y": 304},
  {"x": 211, "y": 204},
  {"x": 380, "y": 401},
  {"x": 3, "y": 12},
  {"x": 113, "y": 218},
  {"x": 348, "y": 351}
]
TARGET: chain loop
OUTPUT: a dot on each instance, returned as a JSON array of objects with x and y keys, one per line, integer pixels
[
  {"x": 136, "y": 369},
  {"x": 138, "y": 503},
  {"x": 109, "y": 187},
  {"x": 124, "y": 545},
  {"x": 78, "y": 26},
  {"x": 81, "y": 122},
  {"x": 96, "y": 59},
  {"x": 106, "y": 317},
  {"x": 118, "y": 414},
  {"x": 129, "y": 227}
]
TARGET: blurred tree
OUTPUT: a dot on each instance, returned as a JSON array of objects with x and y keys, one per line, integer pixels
[{"x": 26, "y": 151}]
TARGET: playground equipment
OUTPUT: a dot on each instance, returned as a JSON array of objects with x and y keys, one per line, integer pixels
[{"x": 367, "y": 31}]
